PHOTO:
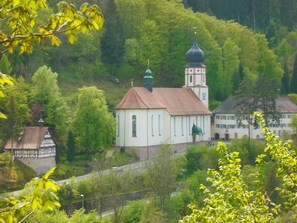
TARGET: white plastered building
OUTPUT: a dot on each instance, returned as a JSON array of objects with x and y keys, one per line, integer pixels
[
  {"x": 228, "y": 124},
  {"x": 149, "y": 117}
]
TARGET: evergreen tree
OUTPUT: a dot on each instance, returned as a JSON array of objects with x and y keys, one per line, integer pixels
[
  {"x": 238, "y": 78},
  {"x": 70, "y": 147},
  {"x": 265, "y": 94},
  {"x": 285, "y": 80},
  {"x": 293, "y": 86},
  {"x": 113, "y": 41},
  {"x": 5, "y": 66}
]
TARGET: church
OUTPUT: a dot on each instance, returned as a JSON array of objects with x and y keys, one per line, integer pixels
[{"x": 149, "y": 117}]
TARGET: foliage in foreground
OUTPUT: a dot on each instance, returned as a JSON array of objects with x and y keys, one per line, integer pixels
[
  {"x": 41, "y": 195},
  {"x": 60, "y": 216},
  {"x": 23, "y": 28},
  {"x": 230, "y": 200}
]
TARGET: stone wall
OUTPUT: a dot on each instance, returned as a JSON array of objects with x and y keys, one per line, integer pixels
[
  {"x": 149, "y": 152},
  {"x": 41, "y": 165}
]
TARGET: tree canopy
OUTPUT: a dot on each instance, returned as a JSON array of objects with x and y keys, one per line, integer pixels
[
  {"x": 230, "y": 200},
  {"x": 22, "y": 28},
  {"x": 93, "y": 125},
  {"x": 45, "y": 93}
]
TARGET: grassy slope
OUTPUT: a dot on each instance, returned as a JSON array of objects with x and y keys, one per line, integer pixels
[
  {"x": 15, "y": 177},
  {"x": 114, "y": 92}
]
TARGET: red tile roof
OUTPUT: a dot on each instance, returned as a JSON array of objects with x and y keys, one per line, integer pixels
[
  {"x": 31, "y": 138},
  {"x": 177, "y": 101}
]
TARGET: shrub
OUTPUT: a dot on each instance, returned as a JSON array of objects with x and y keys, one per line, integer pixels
[
  {"x": 201, "y": 157},
  {"x": 133, "y": 211}
]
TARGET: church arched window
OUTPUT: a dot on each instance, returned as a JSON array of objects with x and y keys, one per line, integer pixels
[
  {"x": 174, "y": 126},
  {"x": 159, "y": 124},
  {"x": 203, "y": 96},
  {"x": 182, "y": 126},
  {"x": 118, "y": 125},
  {"x": 134, "y": 122},
  {"x": 152, "y": 124}
]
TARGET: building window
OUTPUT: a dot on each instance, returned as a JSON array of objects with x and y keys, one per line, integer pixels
[
  {"x": 191, "y": 78},
  {"x": 152, "y": 124},
  {"x": 118, "y": 125},
  {"x": 159, "y": 124},
  {"x": 223, "y": 117},
  {"x": 204, "y": 96},
  {"x": 217, "y": 117},
  {"x": 134, "y": 126},
  {"x": 174, "y": 126},
  {"x": 182, "y": 125},
  {"x": 190, "y": 127},
  {"x": 231, "y": 117}
]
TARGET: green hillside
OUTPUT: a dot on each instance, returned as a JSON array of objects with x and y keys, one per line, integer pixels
[{"x": 138, "y": 31}]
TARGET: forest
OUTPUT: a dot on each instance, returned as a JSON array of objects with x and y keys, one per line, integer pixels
[
  {"x": 138, "y": 31},
  {"x": 88, "y": 73}
]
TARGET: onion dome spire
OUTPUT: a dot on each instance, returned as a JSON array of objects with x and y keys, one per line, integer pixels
[
  {"x": 148, "y": 78},
  {"x": 195, "y": 56}
]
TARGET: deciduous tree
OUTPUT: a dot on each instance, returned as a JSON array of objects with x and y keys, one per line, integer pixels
[
  {"x": 41, "y": 194},
  {"x": 45, "y": 92},
  {"x": 293, "y": 84},
  {"x": 162, "y": 174},
  {"x": 15, "y": 105},
  {"x": 285, "y": 83},
  {"x": 230, "y": 200},
  {"x": 93, "y": 125},
  {"x": 23, "y": 29}
]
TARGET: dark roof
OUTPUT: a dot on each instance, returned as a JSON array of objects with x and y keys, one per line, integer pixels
[
  {"x": 285, "y": 105},
  {"x": 177, "y": 101},
  {"x": 31, "y": 138},
  {"x": 230, "y": 106},
  {"x": 195, "y": 56}
]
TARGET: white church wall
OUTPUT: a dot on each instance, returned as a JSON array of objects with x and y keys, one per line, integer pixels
[
  {"x": 181, "y": 128},
  {"x": 149, "y": 127},
  {"x": 156, "y": 127}
]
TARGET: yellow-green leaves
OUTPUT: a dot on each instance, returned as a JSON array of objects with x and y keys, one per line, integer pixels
[
  {"x": 229, "y": 200},
  {"x": 42, "y": 196},
  {"x": 286, "y": 160},
  {"x": 4, "y": 79},
  {"x": 23, "y": 29}
]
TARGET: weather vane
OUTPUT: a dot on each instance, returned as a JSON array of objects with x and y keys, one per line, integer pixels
[{"x": 195, "y": 31}]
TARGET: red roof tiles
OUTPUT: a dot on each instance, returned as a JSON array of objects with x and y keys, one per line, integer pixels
[
  {"x": 31, "y": 138},
  {"x": 177, "y": 101}
]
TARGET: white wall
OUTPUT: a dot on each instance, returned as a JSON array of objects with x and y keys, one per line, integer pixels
[
  {"x": 227, "y": 124},
  {"x": 150, "y": 125},
  {"x": 157, "y": 127},
  {"x": 181, "y": 128}
]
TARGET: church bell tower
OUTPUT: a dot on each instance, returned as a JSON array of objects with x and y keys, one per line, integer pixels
[{"x": 195, "y": 73}]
